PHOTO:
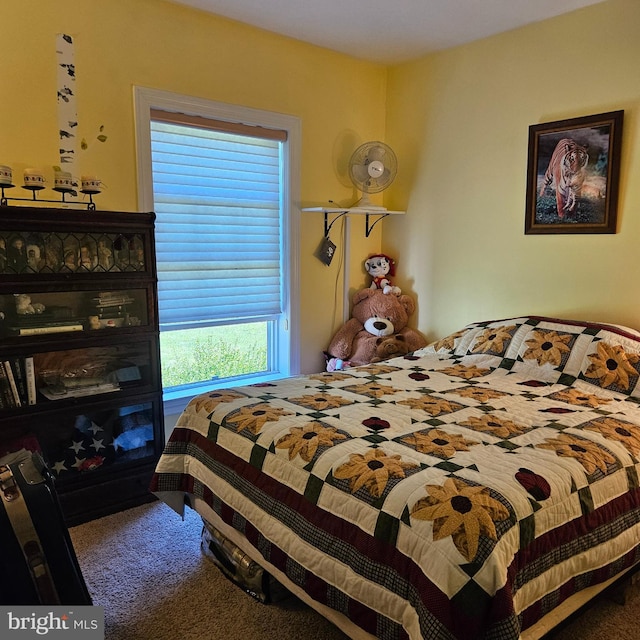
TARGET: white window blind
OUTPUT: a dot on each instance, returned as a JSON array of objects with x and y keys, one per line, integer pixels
[{"x": 217, "y": 198}]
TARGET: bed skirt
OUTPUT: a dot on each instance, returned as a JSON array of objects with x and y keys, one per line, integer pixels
[{"x": 548, "y": 623}]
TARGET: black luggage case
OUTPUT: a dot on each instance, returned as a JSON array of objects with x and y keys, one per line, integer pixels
[
  {"x": 38, "y": 563},
  {"x": 239, "y": 567}
]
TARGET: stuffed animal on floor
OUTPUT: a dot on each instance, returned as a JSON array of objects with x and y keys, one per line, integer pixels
[
  {"x": 390, "y": 347},
  {"x": 374, "y": 315},
  {"x": 380, "y": 267}
]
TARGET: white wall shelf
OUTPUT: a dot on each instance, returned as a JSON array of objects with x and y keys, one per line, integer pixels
[{"x": 372, "y": 213}]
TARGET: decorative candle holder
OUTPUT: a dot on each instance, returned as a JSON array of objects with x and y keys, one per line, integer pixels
[
  {"x": 63, "y": 182},
  {"x": 33, "y": 180},
  {"x": 6, "y": 176},
  {"x": 91, "y": 184}
]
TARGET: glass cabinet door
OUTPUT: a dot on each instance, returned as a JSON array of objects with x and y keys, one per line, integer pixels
[
  {"x": 89, "y": 371},
  {"x": 27, "y": 312},
  {"x": 68, "y": 375},
  {"x": 75, "y": 445},
  {"x": 63, "y": 252}
]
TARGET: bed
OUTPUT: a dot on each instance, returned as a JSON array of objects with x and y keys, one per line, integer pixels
[{"x": 468, "y": 490}]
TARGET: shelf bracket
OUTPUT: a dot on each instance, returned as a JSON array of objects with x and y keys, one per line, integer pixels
[
  {"x": 373, "y": 216},
  {"x": 369, "y": 227},
  {"x": 328, "y": 225}
]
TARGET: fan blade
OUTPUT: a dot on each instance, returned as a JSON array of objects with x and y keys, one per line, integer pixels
[
  {"x": 379, "y": 182},
  {"x": 376, "y": 153},
  {"x": 360, "y": 172}
]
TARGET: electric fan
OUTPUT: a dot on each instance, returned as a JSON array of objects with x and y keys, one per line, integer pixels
[{"x": 372, "y": 168}]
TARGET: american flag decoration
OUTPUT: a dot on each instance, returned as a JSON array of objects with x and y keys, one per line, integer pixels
[{"x": 88, "y": 448}]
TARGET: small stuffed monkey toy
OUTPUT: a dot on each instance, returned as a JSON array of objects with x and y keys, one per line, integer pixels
[{"x": 379, "y": 266}]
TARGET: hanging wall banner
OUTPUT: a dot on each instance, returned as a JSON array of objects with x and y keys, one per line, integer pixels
[{"x": 67, "y": 110}]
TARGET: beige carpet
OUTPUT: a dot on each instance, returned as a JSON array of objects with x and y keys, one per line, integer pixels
[{"x": 144, "y": 566}]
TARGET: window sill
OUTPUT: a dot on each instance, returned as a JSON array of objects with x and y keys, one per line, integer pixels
[{"x": 175, "y": 401}]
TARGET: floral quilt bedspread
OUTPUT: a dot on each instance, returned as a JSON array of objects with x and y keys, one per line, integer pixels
[{"x": 459, "y": 492}]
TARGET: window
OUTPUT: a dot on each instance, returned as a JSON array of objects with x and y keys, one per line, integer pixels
[{"x": 220, "y": 180}]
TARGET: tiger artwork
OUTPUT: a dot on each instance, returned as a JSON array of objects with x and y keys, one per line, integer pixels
[{"x": 566, "y": 171}]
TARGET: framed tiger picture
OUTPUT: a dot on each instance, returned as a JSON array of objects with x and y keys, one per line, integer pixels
[{"x": 573, "y": 174}]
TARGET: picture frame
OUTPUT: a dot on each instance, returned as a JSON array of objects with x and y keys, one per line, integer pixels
[{"x": 573, "y": 175}]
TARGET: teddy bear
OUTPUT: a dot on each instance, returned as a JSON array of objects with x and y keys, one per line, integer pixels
[
  {"x": 24, "y": 306},
  {"x": 374, "y": 315},
  {"x": 379, "y": 267},
  {"x": 390, "y": 347}
]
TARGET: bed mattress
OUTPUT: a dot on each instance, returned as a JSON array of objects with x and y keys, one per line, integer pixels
[{"x": 463, "y": 491}]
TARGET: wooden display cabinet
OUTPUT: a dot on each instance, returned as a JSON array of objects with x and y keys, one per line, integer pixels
[{"x": 79, "y": 348}]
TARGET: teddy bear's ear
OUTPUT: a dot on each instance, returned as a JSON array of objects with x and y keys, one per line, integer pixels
[
  {"x": 360, "y": 295},
  {"x": 380, "y": 340},
  {"x": 399, "y": 337},
  {"x": 408, "y": 303}
]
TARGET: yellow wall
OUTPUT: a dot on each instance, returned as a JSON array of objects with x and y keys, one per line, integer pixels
[
  {"x": 160, "y": 45},
  {"x": 460, "y": 120}
]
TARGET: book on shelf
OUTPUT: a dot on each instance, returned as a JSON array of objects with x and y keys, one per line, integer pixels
[
  {"x": 56, "y": 327},
  {"x": 30, "y": 378},
  {"x": 17, "y": 365},
  {"x": 113, "y": 299},
  {"x": 17, "y": 382},
  {"x": 12, "y": 383},
  {"x": 7, "y": 400}
]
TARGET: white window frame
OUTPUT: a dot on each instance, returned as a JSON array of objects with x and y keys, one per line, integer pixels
[{"x": 145, "y": 100}]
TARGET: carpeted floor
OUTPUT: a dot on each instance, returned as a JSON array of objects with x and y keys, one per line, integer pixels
[{"x": 144, "y": 566}]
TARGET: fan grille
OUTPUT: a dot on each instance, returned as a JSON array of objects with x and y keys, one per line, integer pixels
[{"x": 373, "y": 167}]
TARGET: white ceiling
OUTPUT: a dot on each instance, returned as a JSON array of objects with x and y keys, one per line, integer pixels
[{"x": 388, "y": 31}]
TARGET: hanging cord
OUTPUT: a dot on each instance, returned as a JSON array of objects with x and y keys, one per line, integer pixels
[{"x": 339, "y": 274}]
